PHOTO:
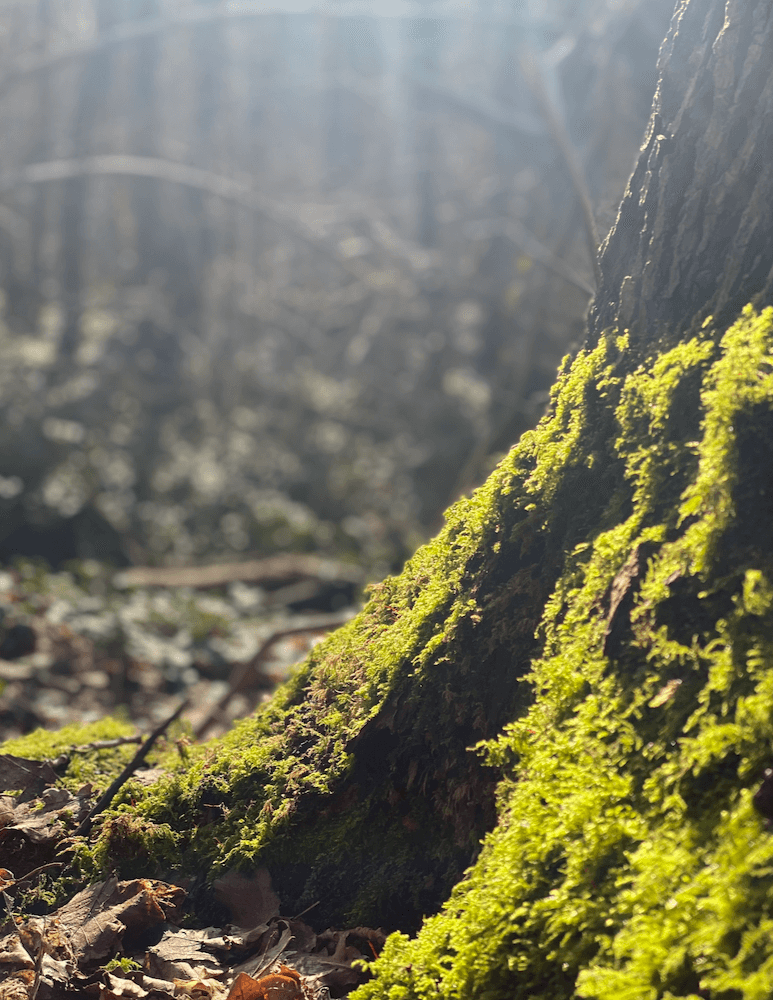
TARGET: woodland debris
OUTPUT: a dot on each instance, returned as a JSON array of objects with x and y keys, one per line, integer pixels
[
  {"x": 274, "y": 569},
  {"x": 43, "y": 820},
  {"x": 107, "y": 797},
  {"x": 27, "y": 776}
]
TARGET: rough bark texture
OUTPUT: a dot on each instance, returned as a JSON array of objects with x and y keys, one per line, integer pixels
[{"x": 692, "y": 237}]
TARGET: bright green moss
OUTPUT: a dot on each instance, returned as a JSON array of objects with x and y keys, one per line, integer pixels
[
  {"x": 632, "y": 533},
  {"x": 364, "y": 754},
  {"x": 628, "y": 862},
  {"x": 99, "y": 767}
]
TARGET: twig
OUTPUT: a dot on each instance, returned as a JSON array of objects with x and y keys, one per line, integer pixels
[
  {"x": 515, "y": 231},
  {"x": 119, "y": 741},
  {"x": 242, "y": 670},
  {"x": 554, "y": 120},
  {"x": 476, "y": 106},
  {"x": 107, "y": 797},
  {"x": 39, "y": 871}
]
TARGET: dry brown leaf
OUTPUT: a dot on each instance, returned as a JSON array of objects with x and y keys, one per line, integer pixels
[
  {"x": 96, "y": 919},
  {"x": 282, "y": 985},
  {"x": 181, "y": 950},
  {"x": 257, "y": 964},
  {"x": 13, "y": 952},
  {"x": 16, "y": 988},
  {"x": 198, "y": 989},
  {"x": 27, "y": 776},
  {"x": 249, "y": 899},
  {"x": 41, "y": 820},
  {"x": 153, "y": 985},
  {"x": 119, "y": 987}
]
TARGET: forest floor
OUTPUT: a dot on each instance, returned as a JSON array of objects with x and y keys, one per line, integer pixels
[
  {"x": 85, "y": 645},
  {"x": 80, "y": 644}
]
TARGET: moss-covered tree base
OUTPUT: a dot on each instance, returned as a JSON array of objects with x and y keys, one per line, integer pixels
[
  {"x": 632, "y": 533},
  {"x": 629, "y": 860}
]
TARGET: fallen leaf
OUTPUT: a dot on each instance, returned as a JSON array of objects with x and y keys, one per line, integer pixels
[
  {"x": 258, "y": 963},
  {"x": 41, "y": 820},
  {"x": 28, "y": 776},
  {"x": 13, "y": 952},
  {"x": 282, "y": 985},
  {"x": 15, "y": 988},
  {"x": 181, "y": 950},
  {"x": 249, "y": 899},
  {"x": 96, "y": 918},
  {"x": 123, "y": 988},
  {"x": 198, "y": 989}
]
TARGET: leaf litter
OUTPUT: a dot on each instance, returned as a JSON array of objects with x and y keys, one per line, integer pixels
[{"x": 127, "y": 939}]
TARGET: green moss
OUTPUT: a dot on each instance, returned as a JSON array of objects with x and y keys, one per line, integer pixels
[
  {"x": 364, "y": 754},
  {"x": 45, "y": 744},
  {"x": 598, "y": 620},
  {"x": 628, "y": 861},
  {"x": 99, "y": 767}
]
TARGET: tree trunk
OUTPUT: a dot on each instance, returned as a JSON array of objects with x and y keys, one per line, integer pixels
[
  {"x": 692, "y": 237},
  {"x": 599, "y": 611}
]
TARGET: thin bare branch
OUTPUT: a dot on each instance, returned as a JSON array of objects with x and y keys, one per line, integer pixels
[
  {"x": 107, "y": 797},
  {"x": 272, "y": 569},
  {"x": 477, "y": 107},
  {"x": 227, "y": 188},
  {"x": 532, "y": 72},
  {"x": 242, "y": 670}
]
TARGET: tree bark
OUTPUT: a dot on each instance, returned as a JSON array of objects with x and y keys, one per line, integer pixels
[{"x": 692, "y": 237}]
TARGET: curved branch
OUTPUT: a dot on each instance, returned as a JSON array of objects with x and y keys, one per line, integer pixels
[{"x": 178, "y": 173}]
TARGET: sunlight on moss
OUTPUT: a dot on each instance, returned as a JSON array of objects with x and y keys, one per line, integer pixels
[
  {"x": 631, "y": 532},
  {"x": 628, "y": 861}
]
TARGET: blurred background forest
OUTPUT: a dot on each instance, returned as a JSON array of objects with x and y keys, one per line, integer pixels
[{"x": 289, "y": 277}]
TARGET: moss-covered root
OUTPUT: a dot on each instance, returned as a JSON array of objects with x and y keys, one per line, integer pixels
[
  {"x": 629, "y": 862},
  {"x": 96, "y": 766},
  {"x": 356, "y": 785}
]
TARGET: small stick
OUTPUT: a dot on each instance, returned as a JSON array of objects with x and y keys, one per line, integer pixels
[
  {"x": 241, "y": 671},
  {"x": 39, "y": 871},
  {"x": 119, "y": 741},
  {"x": 107, "y": 797}
]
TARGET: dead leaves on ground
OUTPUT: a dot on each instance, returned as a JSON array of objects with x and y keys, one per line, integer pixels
[{"x": 121, "y": 939}]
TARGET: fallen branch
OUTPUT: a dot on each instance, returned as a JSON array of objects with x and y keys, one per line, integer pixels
[
  {"x": 242, "y": 670},
  {"x": 274, "y": 569},
  {"x": 107, "y": 797},
  {"x": 119, "y": 741}
]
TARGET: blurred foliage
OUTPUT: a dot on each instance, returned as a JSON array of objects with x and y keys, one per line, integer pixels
[{"x": 285, "y": 282}]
